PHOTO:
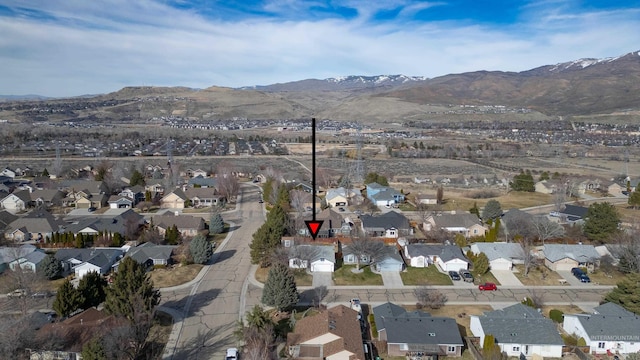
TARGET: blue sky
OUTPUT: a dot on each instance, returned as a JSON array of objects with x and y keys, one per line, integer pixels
[{"x": 76, "y": 47}]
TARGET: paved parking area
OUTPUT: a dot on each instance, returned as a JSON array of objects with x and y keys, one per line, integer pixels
[
  {"x": 322, "y": 278},
  {"x": 391, "y": 279},
  {"x": 506, "y": 278}
]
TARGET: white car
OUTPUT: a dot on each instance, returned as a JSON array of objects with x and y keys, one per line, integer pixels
[
  {"x": 18, "y": 293},
  {"x": 232, "y": 354}
]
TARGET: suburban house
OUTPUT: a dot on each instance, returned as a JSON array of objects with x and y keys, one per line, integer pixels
[
  {"x": 150, "y": 254},
  {"x": 616, "y": 189},
  {"x": 8, "y": 173},
  {"x": 333, "y": 224},
  {"x": 30, "y": 261},
  {"x": 391, "y": 261},
  {"x": 120, "y": 202},
  {"x": 6, "y": 218},
  {"x": 562, "y": 257},
  {"x": 203, "y": 182},
  {"x": 332, "y": 334},
  {"x": 301, "y": 201},
  {"x": 37, "y": 225},
  {"x": 466, "y": 224},
  {"x": 519, "y": 330},
  {"x": 383, "y": 195},
  {"x": 187, "y": 225},
  {"x": 391, "y": 224},
  {"x": 447, "y": 257},
  {"x": 135, "y": 193},
  {"x": 426, "y": 199},
  {"x": 74, "y": 332},
  {"x": 349, "y": 258},
  {"x": 338, "y": 197},
  {"x": 174, "y": 200},
  {"x": 83, "y": 194},
  {"x": 124, "y": 223},
  {"x": 501, "y": 255},
  {"x": 12, "y": 253},
  {"x": 545, "y": 187},
  {"x": 204, "y": 197},
  {"x": 16, "y": 202},
  {"x": 316, "y": 258},
  {"x": 416, "y": 333},
  {"x": 83, "y": 261},
  {"x": 588, "y": 185},
  {"x": 571, "y": 214},
  {"x": 47, "y": 197},
  {"x": 154, "y": 188},
  {"x": 610, "y": 329}
]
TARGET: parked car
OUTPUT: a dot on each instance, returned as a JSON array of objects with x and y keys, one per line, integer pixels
[
  {"x": 488, "y": 286},
  {"x": 466, "y": 275},
  {"x": 580, "y": 275},
  {"x": 355, "y": 305},
  {"x": 232, "y": 354},
  {"x": 41, "y": 294},
  {"x": 454, "y": 275},
  {"x": 17, "y": 293}
]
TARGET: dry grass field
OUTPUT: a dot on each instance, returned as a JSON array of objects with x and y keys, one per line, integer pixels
[
  {"x": 175, "y": 275},
  {"x": 538, "y": 276}
]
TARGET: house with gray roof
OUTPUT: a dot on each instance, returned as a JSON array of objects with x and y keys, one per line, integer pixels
[
  {"x": 203, "y": 182},
  {"x": 47, "y": 197},
  {"x": 416, "y": 333},
  {"x": 519, "y": 330},
  {"x": 609, "y": 329},
  {"x": 564, "y": 257},
  {"x": 31, "y": 261},
  {"x": 37, "y": 225},
  {"x": 501, "y": 255},
  {"x": 85, "y": 260},
  {"x": 391, "y": 224},
  {"x": 466, "y": 224},
  {"x": 446, "y": 257},
  {"x": 150, "y": 254},
  {"x": 187, "y": 225},
  {"x": 9, "y": 254},
  {"x": 128, "y": 221},
  {"x": 204, "y": 197},
  {"x": 316, "y": 258},
  {"x": 16, "y": 202},
  {"x": 390, "y": 261},
  {"x": 333, "y": 224},
  {"x": 383, "y": 195}
]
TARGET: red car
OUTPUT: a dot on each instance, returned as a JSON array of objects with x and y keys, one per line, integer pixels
[{"x": 488, "y": 286}]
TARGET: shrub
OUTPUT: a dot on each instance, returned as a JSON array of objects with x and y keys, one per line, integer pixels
[
  {"x": 374, "y": 329},
  {"x": 556, "y": 315},
  {"x": 582, "y": 342}
]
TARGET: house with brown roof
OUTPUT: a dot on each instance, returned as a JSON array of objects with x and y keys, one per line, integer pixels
[
  {"x": 187, "y": 225},
  {"x": 203, "y": 196},
  {"x": 47, "y": 197},
  {"x": 38, "y": 225},
  {"x": 333, "y": 224},
  {"x": 332, "y": 334},
  {"x": 174, "y": 200}
]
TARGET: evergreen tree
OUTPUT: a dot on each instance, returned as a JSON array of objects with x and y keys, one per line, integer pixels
[
  {"x": 137, "y": 179},
  {"x": 94, "y": 350},
  {"x": 634, "y": 198},
  {"x": 67, "y": 300},
  {"x": 481, "y": 264},
  {"x": 92, "y": 288},
  {"x": 475, "y": 209},
  {"x": 492, "y": 210},
  {"x": 267, "y": 189},
  {"x": 130, "y": 282},
  {"x": 172, "y": 235},
  {"x": 627, "y": 293},
  {"x": 280, "y": 288},
  {"x": 523, "y": 182},
  {"x": 201, "y": 249},
  {"x": 51, "y": 267},
  {"x": 601, "y": 221},
  {"x": 267, "y": 238},
  {"x": 376, "y": 178},
  {"x": 45, "y": 173},
  {"x": 216, "y": 224},
  {"x": 283, "y": 197},
  {"x": 117, "y": 240}
]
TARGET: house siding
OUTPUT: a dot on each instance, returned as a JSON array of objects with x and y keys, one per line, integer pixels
[{"x": 562, "y": 264}]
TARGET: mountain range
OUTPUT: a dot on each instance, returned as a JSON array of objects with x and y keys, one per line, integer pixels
[{"x": 587, "y": 87}]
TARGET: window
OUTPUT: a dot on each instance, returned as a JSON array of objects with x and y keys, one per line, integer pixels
[
  {"x": 515, "y": 348},
  {"x": 404, "y": 347},
  {"x": 451, "y": 349},
  {"x": 432, "y": 334},
  {"x": 601, "y": 345}
]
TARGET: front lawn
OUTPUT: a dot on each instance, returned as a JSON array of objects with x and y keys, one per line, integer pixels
[
  {"x": 487, "y": 277},
  {"x": 538, "y": 276},
  {"x": 424, "y": 276},
  {"x": 602, "y": 277},
  {"x": 344, "y": 276},
  {"x": 175, "y": 275}
]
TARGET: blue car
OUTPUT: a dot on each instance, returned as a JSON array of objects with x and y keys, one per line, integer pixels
[{"x": 580, "y": 275}]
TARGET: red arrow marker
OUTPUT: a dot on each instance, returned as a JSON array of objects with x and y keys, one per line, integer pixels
[{"x": 314, "y": 227}]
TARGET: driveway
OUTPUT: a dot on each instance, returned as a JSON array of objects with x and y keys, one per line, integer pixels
[
  {"x": 571, "y": 280},
  {"x": 392, "y": 279},
  {"x": 321, "y": 278},
  {"x": 506, "y": 278}
]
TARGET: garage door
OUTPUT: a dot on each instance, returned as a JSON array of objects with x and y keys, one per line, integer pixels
[
  {"x": 564, "y": 266},
  {"x": 322, "y": 267},
  {"x": 500, "y": 264}
]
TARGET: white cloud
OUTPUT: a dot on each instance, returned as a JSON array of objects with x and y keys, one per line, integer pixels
[{"x": 95, "y": 49}]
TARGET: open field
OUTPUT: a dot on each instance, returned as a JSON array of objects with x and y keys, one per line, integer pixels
[
  {"x": 424, "y": 276},
  {"x": 174, "y": 276},
  {"x": 538, "y": 276}
]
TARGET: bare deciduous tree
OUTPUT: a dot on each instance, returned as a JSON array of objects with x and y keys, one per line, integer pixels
[
  {"x": 366, "y": 248},
  {"x": 518, "y": 223},
  {"x": 430, "y": 298},
  {"x": 546, "y": 229},
  {"x": 227, "y": 182}
]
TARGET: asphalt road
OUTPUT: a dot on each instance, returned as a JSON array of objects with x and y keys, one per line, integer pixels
[{"x": 211, "y": 306}]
